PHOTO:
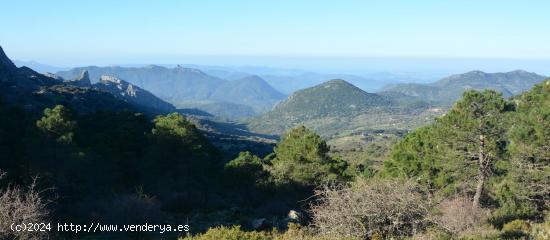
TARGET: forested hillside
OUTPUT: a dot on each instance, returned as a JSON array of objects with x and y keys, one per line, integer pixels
[
  {"x": 337, "y": 107},
  {"x": 481, "y": 171},
  {"x": 71, "y": 152}
]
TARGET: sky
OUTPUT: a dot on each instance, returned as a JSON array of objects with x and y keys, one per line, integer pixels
[{"x": 300, "y": 32}]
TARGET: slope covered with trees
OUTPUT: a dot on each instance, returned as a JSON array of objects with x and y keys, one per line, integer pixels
[{"x": 336, "y": 107}]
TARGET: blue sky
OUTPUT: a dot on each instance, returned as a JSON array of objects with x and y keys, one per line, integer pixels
[{"x": 68, "y": 33}]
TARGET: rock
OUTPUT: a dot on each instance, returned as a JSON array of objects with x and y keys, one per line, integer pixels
[
  {"x": 82, "y": 81},
  {"x": 294, "y": 216},
  {"x": 133, "y": 94}
]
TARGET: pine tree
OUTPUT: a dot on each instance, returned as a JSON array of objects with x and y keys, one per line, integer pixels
[
  {"x": 302, "y": 157},
  {"x": 476, "y": 129},
  {"x": 57, "y": 123}
]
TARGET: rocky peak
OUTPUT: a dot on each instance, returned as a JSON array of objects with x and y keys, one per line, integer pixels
[
  {"x": 126, "y": 88},
  {"x": 84, "y": 76},
  {"x": 4, "y": 60},
  {"x": 81, "y": 81}
]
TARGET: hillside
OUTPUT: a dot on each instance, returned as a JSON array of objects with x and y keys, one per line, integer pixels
[
  {"x": 251, "y": 91},
  {"x": 34, "y": 91},
  {"x": 223, "y": 110},
  {"x": 447, "y": 90},
  {"x": 170, "y": 84},
  {"x": 133, "y": 94},
  {"x": 337, "y": 107}
]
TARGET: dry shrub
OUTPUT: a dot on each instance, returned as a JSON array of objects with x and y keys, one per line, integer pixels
[
  {"x": 18, "y": 206},
  {"x": 297, "y": 232},
  {"x": 541, "y": 231},
  {"x": 459, "y": 215},
  {"x": 377, "y": 208},
  {"x": 135, "y": 208}
]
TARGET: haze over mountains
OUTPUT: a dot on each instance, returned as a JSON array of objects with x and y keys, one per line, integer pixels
[
  {"x": 449, "y": 89},
  {"x": 331, "y": 107},
  {"x": 191, "y": 87}
]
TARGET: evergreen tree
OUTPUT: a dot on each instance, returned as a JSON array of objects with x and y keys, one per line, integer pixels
[
  {"x": 245, "y": 168},
  {"x": 424, "y": 156},
  {"x": 302, "y": 157},
  {"x": 57, "y": 123},
  {"x": 465, "y": 143},
  {"x": 530, "y": 145},
  {"x": 476, "y": 129}
]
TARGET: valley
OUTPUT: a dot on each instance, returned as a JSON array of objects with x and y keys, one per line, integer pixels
[{"x": 231, "y": 150}]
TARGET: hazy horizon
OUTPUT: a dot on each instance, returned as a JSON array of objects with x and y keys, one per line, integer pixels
[{"x": 68, "y": 33}]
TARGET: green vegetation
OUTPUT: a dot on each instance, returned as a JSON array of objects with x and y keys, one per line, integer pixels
[
  {"x": 492, "y": 151},
  {"x": 294, "y": 232},
  {"x": 56, "y": 122},
  {"x": 302, "y": 157},
  {"x": 336, "y": 108},
  {"x": 480, "y": 171}
]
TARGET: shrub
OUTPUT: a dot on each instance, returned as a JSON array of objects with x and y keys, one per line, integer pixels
[
  {"x": 294, "y": 232},
  {"x": 384, "y": 208},
  {"x": 230, "y": 233},
  {"x": 459, "y": 215},
  {"x": 245, "y": 168},
  {"x": 540, "y": 231},
  {"x": 512, "y": 210},
  {"x": 516, "y": 229},
  {"x": 19, "y": 206}
]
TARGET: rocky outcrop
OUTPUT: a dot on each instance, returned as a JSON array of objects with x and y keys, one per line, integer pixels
[
  {"x": 132, "y": 94},
  {"x": 34, "y": 91},
  {"x": 81, "y": 81}
]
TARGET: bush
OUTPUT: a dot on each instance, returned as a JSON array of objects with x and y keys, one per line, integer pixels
[
  {"x": 245, "y": 168},
  {"x": 512, "y": 210},
  {"x": 294, "y": 232},
  {"x": 383, "y": 208},
  {"x": 541, "y": 231},
  {"x": 459, "y": 215},
  {"x": 516, "y": 229},
  {"x": 230, "y": 233},
  {"x": 19, "y": 206}
]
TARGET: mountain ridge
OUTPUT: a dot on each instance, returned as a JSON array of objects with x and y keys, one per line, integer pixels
[
  {"x": 337, "y": 106},
  {"x": 182, "y": 85},
  {"x": 449, "y": 89}
]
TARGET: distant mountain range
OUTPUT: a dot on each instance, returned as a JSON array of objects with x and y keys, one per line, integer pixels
[
  {"x": 335, "y": 107},
  {"x": 447, "y": 90},
  {"x": 182, "y": 85},
  {"x": 39, "y": 67},
  {"x": 291, "y": 83}
]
